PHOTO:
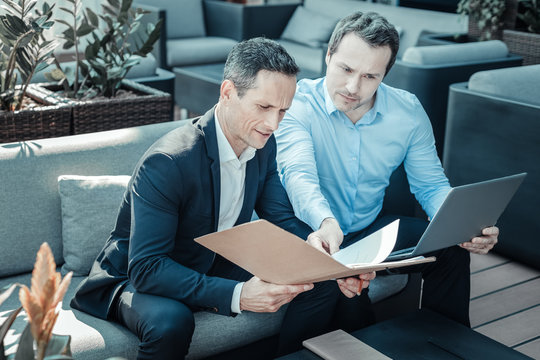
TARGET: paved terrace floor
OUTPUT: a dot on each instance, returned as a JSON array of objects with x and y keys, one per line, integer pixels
[{"x": 505, "y": 302}]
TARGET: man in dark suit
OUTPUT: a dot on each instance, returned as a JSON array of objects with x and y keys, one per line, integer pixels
[{"x": 200, "y": 178}]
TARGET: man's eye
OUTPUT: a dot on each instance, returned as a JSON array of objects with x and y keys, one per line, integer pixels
[{"x": 264, "y": 107}]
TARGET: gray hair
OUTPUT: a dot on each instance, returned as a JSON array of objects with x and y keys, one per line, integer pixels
[
  {"x": 370, "y": 27},
  {"x": 249, "y": 57}
]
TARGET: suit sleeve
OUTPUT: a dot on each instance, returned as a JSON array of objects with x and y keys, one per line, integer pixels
[{"x": 156, "y": 197}]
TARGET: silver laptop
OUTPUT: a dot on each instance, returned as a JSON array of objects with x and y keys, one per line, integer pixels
[{"x": 464, "y": 213}]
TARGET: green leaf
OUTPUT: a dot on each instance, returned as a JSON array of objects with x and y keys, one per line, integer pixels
[
  {"x": 92, "y": 17},
  {"x": 25, "y": 350},
  {"x": 6, "y": 291},
  {"x": 7, "y": 324},
  {"x": 84, "y": 29}
]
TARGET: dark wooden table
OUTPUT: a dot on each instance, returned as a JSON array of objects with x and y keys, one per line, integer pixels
[{"x": 425, "y": 335}]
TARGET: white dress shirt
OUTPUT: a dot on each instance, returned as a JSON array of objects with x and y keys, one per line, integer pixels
[{"x": 233, "y": 176}]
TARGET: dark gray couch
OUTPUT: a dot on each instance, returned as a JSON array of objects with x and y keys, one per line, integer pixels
[{"x": 493, "y": 130}]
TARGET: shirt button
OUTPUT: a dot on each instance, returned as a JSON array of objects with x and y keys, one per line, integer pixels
[{"x": 354, "y": 158}]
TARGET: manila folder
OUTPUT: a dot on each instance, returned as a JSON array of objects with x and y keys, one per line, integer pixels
[{"x": 279, "y": 257}]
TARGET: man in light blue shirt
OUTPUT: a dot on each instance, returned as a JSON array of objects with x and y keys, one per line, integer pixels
[{"x": 343, "y": 137}]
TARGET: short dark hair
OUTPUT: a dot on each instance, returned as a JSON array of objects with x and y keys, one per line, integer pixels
[
  {"x": 370, "y": 27},
  {"x": 249, "y": 57}
]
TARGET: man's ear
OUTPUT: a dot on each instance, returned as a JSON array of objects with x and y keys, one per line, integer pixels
[
  {"x": 227, "y": 90},
  {"x": 327, "y": 57}
]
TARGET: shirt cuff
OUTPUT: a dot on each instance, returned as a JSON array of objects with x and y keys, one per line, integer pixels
[
  {"x": 235, "y": 302},
  {"x": 317, "y": 217}
]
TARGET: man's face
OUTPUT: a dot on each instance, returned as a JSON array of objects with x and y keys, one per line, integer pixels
[
  {"x": 251, "y": 119},
  {"x": 354, "y": 73}
]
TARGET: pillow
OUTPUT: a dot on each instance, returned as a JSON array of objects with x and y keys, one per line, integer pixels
[
  {"x": 308, "y": 27},
  {"x": 455, "y": 53},
  {"x": 89, "y": 208}
]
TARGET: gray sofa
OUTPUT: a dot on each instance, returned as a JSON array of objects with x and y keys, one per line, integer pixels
[
  {"x": 75, "y": 215},
  {"x": 493, "y": 130},
  {"x": 310, "y": 27}
]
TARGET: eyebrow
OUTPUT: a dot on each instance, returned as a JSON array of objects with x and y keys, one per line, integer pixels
[{"x": 341, "y": 63}]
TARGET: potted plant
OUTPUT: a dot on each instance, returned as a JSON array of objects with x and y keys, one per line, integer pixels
[
  {"x": 96, "y": 87},
  {"x": 23, "y": 51},
  {"x": 487, "y": 18},
  {"x": 525, "y": 39},
  {"x": 37, "y": 342}
]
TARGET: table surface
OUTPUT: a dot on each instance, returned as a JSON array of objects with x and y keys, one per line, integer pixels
[
  {"x": 214, "y": 72},
  {"x": 425, "y": 335}
]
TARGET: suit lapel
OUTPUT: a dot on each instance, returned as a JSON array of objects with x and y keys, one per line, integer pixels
[{"x": 207, "y": 124}]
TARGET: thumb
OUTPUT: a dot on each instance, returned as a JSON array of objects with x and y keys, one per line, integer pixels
[{"x": 334, "y": 247}]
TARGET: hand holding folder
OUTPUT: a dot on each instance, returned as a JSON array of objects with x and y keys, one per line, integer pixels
[{"x": 277, "y": 256}]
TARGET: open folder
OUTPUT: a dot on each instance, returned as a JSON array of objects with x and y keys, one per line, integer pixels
[{"x": 277, "y": 256}]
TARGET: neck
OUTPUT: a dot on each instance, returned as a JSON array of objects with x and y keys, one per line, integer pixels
[
  {"x": 356, "y": 114},
  {"x": 237, "y": 146}
]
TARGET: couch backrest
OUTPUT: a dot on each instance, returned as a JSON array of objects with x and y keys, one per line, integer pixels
[
  {"x": 412, "y": 22},
  {"x": 515, "y": 83},
  {"x": 456, "y": 53},
  {"x": 30, "y": 205}
]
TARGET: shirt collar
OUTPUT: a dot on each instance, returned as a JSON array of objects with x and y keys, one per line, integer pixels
[
  {"x": 370, "y": 116},
  {"x": 226, "y": 152}
]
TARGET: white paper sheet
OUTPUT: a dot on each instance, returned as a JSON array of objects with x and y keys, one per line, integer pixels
[{"x": 372, "y": 249}]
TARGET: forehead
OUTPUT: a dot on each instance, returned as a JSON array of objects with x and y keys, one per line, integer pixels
[
  {"x": 356, "y": 51},
  {"x": 273, "y": 84}
]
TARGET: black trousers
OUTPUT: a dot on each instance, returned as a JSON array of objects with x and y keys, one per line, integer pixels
[
  {"x": 446, "y": 287},
  {"x": 165, "y": 326}
]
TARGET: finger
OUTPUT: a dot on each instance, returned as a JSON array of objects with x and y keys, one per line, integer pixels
[
  {"x": 491, "y": 231},
  {"x": 316, "y": 242},
  {"x": 345, "y": 290},
  {"x": 368, "y": 276},
  {"x": 334, "y": 247}
]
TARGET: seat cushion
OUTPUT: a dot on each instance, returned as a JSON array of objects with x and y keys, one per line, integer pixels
[
  {"x": 308, "y": 27},
  {"x": 93, "y": 338},
  {"x": 201, "y": 50},
  {"x": 306, "y": 57},
  {"x": 516, "y": 83},
  {"x": 455, "y": 53}
]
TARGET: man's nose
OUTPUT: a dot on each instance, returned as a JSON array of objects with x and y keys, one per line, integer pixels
[
  {"x": 353, "y": 84},
  {"x": 272, "y": 121}
]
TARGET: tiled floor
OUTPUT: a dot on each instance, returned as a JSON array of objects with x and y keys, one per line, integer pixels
[{"x": 505, "y": 302}]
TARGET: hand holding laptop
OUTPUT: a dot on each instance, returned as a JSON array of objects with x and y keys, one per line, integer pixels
[{"x": 483, "y": 244}]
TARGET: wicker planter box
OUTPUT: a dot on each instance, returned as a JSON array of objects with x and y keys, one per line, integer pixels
[
  {"x": 53, "y": 119},
  {"x": 148, "y": 107},
  {"x": 525, "y": 44}
]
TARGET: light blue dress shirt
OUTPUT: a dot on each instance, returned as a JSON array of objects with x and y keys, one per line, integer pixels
[{"x": 331, "y": 167}]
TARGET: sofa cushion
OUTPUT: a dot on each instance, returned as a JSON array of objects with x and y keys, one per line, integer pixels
[
  {"x": 89, "y": 208},
  {"x": 516, "y": 83},
  {"x": 306, "y": 57},
  {"x": 202, "y": 50},
  {"x": 455, "y": 53},
  {"x": 308, "y": 27},
  {"x": 93, "y": 338}
]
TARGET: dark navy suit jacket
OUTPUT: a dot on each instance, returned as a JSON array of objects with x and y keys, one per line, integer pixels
[{"x": 172, "y": 198}]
